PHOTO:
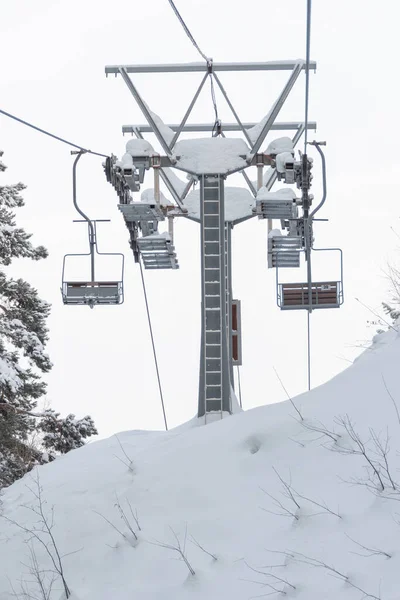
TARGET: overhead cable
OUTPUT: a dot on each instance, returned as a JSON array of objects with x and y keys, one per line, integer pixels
[
  {"x": 56, "y": 137},
  {"x": 217, "y": 125},
  {"x": 154, "y": 346},
  {"x": 187, "y": 31},
  {"x": 308, "y": 44}
]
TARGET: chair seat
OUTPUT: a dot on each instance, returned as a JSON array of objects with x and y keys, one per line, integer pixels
[
  {"x": 296, "y": 295},
  {"x": 92, "y": 292}
]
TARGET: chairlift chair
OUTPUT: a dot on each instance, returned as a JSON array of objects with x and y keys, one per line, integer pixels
[
  {"x": 92, "y": 292},
  {"x": 311, "y": 295}
]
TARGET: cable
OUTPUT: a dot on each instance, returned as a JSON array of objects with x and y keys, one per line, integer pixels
[
  {"x": 217, "y": 124},
  {"x": 154, "y": 347},
  {"x": 56, "y": 137},
  {"x": 308, "y": 351},
  {"x": 187, "y": 31},
  {"x": 308, "y": 43}
]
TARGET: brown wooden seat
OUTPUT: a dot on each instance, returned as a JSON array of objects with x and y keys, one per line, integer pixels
[{"x": 326, "y": 294}]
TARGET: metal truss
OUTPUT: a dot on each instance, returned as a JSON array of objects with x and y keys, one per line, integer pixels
[{"x": 216, "y": 374}]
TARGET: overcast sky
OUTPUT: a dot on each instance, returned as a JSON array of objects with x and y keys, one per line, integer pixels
[{"x": 54, "y": 53}]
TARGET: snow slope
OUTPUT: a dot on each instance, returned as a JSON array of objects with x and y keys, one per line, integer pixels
[{"x": 221, "y": 484}]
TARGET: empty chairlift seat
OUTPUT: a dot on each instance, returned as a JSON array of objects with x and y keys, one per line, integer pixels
[
  {"x": 283, "y": 250},
  {"x": 141, "y": 211},
  {"x": 92, "y": 293},
  {"x": 276, "y": 205},
  {"x": 292, "y": 296},
  {"x": 157, "y": 251}
]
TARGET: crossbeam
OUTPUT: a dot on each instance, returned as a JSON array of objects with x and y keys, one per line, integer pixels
[
  {"x": 201, "y": 67},
  {"x": 199, "y": 127}
]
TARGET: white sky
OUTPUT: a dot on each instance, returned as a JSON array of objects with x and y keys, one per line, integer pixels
[{"x": 54, "y": 53}]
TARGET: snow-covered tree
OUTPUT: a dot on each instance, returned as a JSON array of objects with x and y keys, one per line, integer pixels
[
  {"x": 63, "y": 435},
  {"x": 23, "y": 337}
]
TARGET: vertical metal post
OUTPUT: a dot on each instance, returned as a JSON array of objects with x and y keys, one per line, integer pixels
[
  {"x": 214, "y": 379},
  {"x": 171, "y": 228},
  {"x": 228, "y": 292},
  {"x": 157, "y": 194},
  {"x": 92, "y": 232}
]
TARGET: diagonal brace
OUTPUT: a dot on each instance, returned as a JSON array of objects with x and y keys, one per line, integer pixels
[
  {"x": 276, "y": 108},
  {"x": 145, "y": 110}
]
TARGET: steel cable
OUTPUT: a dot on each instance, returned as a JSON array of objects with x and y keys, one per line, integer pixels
[
  {"x": 187, "y": 31},
  {"x": 56, "y": 137},
  {"x": 153, "y": 345}
]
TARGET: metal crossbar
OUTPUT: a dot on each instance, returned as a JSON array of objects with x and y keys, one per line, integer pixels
[{"x": 201, "y": 67}]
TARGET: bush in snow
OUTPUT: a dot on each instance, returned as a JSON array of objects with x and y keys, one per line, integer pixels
[{"x": 23, "y": 337}]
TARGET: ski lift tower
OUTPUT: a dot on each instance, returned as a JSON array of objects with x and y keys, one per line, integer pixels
[{"x": 209, "y": 160}]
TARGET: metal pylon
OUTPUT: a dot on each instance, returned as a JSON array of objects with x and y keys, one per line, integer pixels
[
  {"x": 216, "y": 356},
  {"x": 214, "y": 381}
]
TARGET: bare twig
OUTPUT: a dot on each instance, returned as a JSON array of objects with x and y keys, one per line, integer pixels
[
  {"x": 196, "y": 543},
  {"x": 134, "y": 515},
  {"x": 320, "y": 428},
  {"x": 121, "y": 533},
  {"x": 128, "y": 464},
  {"x": 360, "y": 448},
  {"x": 392, "y": 399},
  {"x": 370, "y": 551},
  {"x": 280, "y": 579},
  {"x": 181, "y": 550},
  {"x": 287, "y": 394},
  {"x": 324, "y": 506},
  {"x": 288, "y": 488},
  {"x": 124, "y": 517},
  {"x": 287, "y": 512},
  {"x": 376, "y": 315},
  {"x": 44, "y": 533},
  {"x": 382, "y": 450},
  {"x": 314, "y": 562}
]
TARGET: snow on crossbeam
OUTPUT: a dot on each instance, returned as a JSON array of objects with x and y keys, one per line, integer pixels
[
  {"x": 275, "y": 65},
  {"x": 211, "y": 155},
  {"x": 192, "y": 127}
]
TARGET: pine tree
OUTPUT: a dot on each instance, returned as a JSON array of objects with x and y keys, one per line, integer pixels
[
  {"x": 63, "y": 435},
  {"x": 23, "y": 337}
]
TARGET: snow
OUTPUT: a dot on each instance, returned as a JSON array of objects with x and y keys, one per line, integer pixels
[
  {"x": 219, "y": 487},
  {"x": 165, "y": 131},
  {"x": 239, "y": 203},
  {"x": 281, "y": 159},
  {"x": 138, "y": 147},
  {"x": 147, "y": 196},
  {"x": 282, "y": 194},
  {"x": 157, "y": 236},
  {"x": 211, "y": 155},
  {"x": 178, "y": 184},
  {"x": 274, "y": 233},
  {"x": 255, "y": 131},
  {"x": 282, "y": 144}
]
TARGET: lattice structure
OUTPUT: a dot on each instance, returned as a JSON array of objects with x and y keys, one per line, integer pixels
[{"x": 218, "y": 208}]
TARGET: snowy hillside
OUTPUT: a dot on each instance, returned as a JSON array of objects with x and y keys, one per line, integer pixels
[{"x": 284, "y": 507}]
